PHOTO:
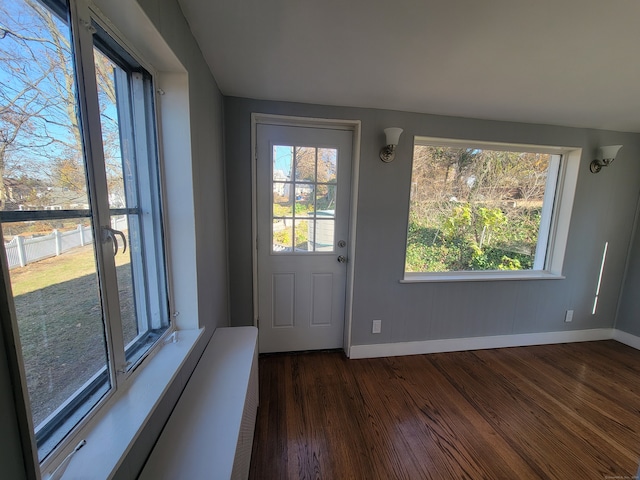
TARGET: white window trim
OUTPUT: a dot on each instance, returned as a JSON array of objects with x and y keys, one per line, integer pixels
[{"x": 558, "y": 233}]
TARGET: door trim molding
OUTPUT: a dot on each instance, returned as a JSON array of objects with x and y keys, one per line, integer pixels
[{"x": 355, "y": 126}]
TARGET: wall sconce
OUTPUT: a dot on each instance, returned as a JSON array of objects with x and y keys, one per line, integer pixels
[
  {"x": 388, "y": 152},
  {"x": 606, "y": 155}
]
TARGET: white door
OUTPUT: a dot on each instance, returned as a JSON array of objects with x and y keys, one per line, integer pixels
[{"x": 303, "y": 199}]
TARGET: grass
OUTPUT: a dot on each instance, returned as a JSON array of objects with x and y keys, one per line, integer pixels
[
  {"x": 71, "y": 265},
  {"x": 60, "y": 323}
]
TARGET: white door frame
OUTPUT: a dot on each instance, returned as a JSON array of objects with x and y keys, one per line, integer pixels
[{"x": 334, "y": 124}]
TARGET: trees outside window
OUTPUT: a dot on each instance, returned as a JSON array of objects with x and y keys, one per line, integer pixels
[{"x": 479, "y": 207}]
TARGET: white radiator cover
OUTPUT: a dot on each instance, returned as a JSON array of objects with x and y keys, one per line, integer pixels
[
  {"x": 242, "y": 459},
  {"x": 209, "y": 435}
]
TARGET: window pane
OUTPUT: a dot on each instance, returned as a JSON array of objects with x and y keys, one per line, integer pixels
[
  {"x": 128, "y": 315},
  {"x": 304, "y": 199},
  {"x": 324, "y": 234},
  {"x": 117, "y": 155},
  {"x": 282, "y": 163},
  {"x": 126, "y": 111},
  {"x": 41, "y": 162},
  {"x": 282, "y": 204},
  {"x": 327, "y": 165},
  {"x": 326, "y": 197},
  {"x": 305, "y": 164},
  {"x": 59, "y": 320},
  {"x": 282, "y": 235},
  {"x": 53, "y": 263},
  {"x": 302, "y": 236},
  {"x": 475, "y": 209}
]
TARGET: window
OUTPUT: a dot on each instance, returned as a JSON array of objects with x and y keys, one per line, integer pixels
[
  {"x": 486, "y": 207},
  {"x": 304, "y": 198},
  {"x": 80, "y": 208}
]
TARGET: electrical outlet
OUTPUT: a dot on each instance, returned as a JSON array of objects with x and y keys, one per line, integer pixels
[
  {"x": 377, "y": 326},
  {"x": 568, "y": 316}
]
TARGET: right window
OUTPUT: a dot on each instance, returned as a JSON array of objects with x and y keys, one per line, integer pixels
[{"x": 485, "y": 207}]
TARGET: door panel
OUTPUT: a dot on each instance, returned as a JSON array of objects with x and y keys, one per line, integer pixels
[
  {"x": 283, "y": 299},
  {"x": 303, "y": 204},
  {"x": 321, "y": 300}
]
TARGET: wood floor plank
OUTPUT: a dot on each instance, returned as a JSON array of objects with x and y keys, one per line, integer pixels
[
  {"x": 582, "y": 368},
  {"x": 556, "y": 411},
  {"x": 579, "y": 401},
  {"x": 381, "y": 423},
  {"x": 591, "y": 425},
  {"x": 535, "y": 420},
  {"x": 455, "y": 427}
]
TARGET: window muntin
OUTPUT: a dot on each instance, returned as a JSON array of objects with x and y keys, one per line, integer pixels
[
  {"x": 304, "y": 181},
  {"x": 85, "y": 316},
  {"x": 480, "y": 207}
]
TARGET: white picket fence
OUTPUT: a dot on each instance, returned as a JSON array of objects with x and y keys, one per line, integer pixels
[{"x": 21, "y": 251}]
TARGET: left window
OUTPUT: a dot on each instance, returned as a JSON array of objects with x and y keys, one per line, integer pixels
[{"x": 80, "y": 206}]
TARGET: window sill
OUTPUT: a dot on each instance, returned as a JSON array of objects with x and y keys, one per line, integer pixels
[
  {"x": 480, "y": 276},
  {"x": 116, "y": 428}
]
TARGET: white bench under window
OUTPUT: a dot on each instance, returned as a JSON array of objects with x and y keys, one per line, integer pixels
[{"x": 209, "y": 434}]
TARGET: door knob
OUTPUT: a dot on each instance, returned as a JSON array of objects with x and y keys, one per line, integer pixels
[{"x": 342, "y": 259}]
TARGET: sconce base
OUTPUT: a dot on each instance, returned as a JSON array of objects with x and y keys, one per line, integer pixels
[
  {"x": 595, "y": 166},
  {"x": 388, "y": 153}
]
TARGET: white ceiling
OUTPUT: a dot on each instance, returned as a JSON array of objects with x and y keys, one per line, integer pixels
[{"x": 560, "y": 62}]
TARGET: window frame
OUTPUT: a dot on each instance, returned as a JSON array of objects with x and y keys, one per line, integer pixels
[
  {"x": 558, "y": 221},
  {"x": 81, "y": 19}
]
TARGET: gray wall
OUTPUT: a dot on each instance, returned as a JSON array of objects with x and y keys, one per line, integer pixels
[
  {"x": 604, "y": 210},
  {"x": 206, "y": 116},
  {"x": 628, "y": 319}
]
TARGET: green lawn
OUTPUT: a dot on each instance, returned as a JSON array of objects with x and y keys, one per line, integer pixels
[{"x": 60, "y": 323}]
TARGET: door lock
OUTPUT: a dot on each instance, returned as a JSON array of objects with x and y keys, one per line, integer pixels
[
  {"x": 342, "y": 244},
  {"x": 342, "y": 259}
]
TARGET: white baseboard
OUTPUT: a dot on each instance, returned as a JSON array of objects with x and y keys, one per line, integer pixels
[
  {"x": 627, "y": 339},
  {"x": 497, "y": 341}
]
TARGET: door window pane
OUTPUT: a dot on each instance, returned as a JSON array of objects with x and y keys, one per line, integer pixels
[
  {"x": 282, "y": 205},
  {"x": 302, "y": 243},
  {"x": 327, "y": 165},
  {"x": 283, "y": 235},
  {"x": 305, "y": 199},
  {"x": 314, "y": 196},
  {"x": 305, "y": 164},
  {"x": 282, "y": 163},
  {"x": 326, "y": 198},
  {"x": 324, "y": 233}
]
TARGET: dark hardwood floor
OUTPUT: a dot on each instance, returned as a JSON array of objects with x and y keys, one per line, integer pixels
[{"x": 567, "y": 411}]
